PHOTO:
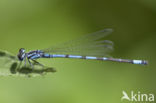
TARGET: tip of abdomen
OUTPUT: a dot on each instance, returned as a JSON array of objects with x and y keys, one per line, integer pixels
[{"x": 143, "y": 62}]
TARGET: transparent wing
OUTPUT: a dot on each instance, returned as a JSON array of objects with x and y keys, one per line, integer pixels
[{"x": 88, "y": 45}]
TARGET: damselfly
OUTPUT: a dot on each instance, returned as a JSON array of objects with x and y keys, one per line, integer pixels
[{"x": 91, "y": 46}]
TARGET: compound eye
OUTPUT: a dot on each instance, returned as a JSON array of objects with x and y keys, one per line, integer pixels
[
  {"x": 22, "y": 50},
  {"x": 21, "y": 54}
]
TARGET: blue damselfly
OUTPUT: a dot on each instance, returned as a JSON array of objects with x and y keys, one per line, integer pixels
[{"x": 91, "y": 46}]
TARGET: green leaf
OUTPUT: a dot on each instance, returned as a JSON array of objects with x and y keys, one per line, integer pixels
[{"x": 10, "y": 66}]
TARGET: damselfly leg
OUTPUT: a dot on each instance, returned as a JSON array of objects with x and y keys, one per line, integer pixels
[
  {"x": 30, "y": 64},
  {"x": 36, "y": 62}
]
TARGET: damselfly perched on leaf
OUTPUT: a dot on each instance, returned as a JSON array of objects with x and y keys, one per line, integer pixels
[
  {"x": 10, "y": 66},
  {"x": 91, "y": 46}
]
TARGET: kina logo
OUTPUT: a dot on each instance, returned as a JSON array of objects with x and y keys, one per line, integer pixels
[{"x": 137, "y": 96}]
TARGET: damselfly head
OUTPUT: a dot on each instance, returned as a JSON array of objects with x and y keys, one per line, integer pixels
[{"x": 21, "y": 54}]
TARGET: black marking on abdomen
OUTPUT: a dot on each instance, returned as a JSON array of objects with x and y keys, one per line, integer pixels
[{"x": 67, "y": 56}]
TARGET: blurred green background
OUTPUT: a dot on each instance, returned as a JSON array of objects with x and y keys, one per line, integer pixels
[{"x": 37, "y": 24}]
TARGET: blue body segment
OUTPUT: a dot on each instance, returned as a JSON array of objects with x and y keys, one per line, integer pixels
[
  {"x": 137, "y": 61},
  {"x": 58, "y": 56},
  {"x": 35, "y": 56},
  {"x": 89, "y": 57},
  {"x": 74, "y": 56},
  {"x": 104, "y": 58},
  {"x": 53, "y": 56},
  {"x": 46, "y": 55}
]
